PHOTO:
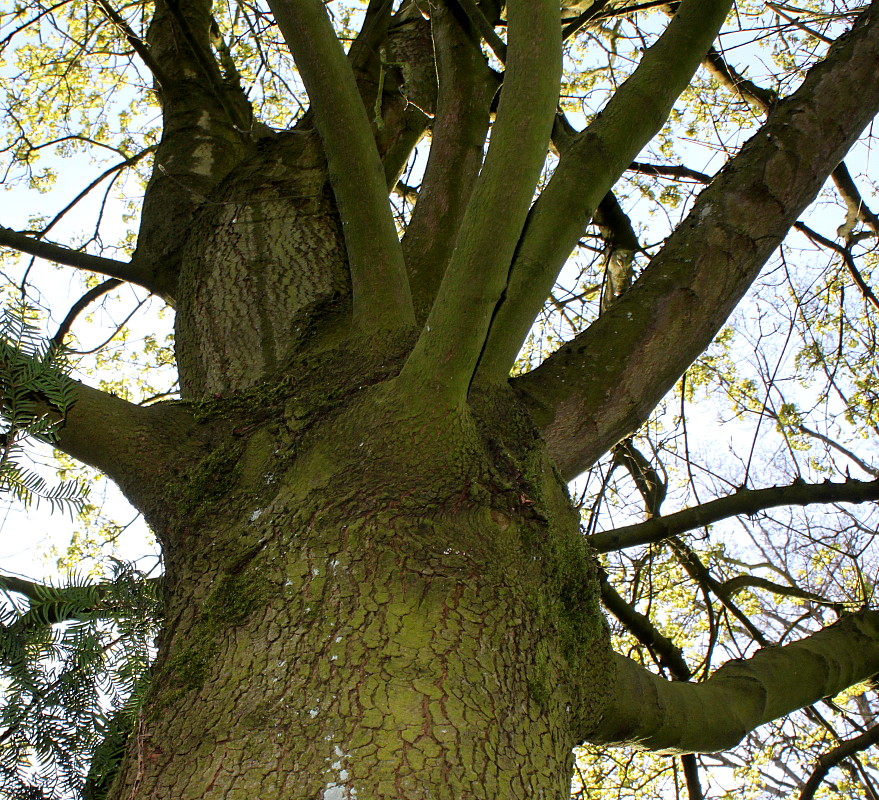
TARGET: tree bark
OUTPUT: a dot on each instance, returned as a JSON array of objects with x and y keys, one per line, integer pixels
[
  {"x": 370, "y": 599},
  {"x": 375, "y": 582}
]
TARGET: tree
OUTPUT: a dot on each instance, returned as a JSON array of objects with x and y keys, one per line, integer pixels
[{"x": 375, "y": 583}]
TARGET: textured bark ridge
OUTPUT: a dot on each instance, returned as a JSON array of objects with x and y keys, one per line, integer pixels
[
  {"x": 265, "y": 253},
  {"x": 372, "y": 601}
]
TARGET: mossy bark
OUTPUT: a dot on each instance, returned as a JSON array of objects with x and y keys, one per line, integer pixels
[{"x": 369, "y": 597}]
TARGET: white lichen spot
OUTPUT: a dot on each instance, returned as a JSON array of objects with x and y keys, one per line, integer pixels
[
  {"x": 334, "y": 790},
  {"x": 256, "y": 514},
  {"x": 315, "y": 571},
  {"x": 313, "y": 712}
]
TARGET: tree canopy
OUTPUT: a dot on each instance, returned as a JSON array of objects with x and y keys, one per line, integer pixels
[{"x": 425, "y": 260}]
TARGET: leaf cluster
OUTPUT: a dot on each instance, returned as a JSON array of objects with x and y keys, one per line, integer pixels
[
  {"x": 37, "y": 394},
  {"x": 73, "y": 665}
]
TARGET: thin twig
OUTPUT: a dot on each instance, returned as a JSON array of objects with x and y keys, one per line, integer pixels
[
  {"x": 847, "y": 258},
  {"x": 80, "y": 305}
]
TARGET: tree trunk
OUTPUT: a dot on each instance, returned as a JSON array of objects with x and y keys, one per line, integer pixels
[
  {"x": 367, "y": 595},
  {"x": 370, "y": 600}
]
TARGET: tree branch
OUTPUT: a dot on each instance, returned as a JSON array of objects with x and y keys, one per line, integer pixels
[
  {"x": 833, "y": 757},
  {"x": 80, "y": 305},
  {"x": 486, "y": 30},
  {"x": 588, "y": 169},
  {"x": 378, "y": 274},
  {"x": 745, "y": 501},
  {"x": 130, "y": 272},
  {"x": 839, "y": 448},
  {"x": 670, "y": 656},
  {"x": 847, "y": 259},
  {"x": 857, "y": 209},
  {"x": 676, "y": 171},
  {"x": 644, "y": 631},
  {"x": 739, "y": 582},
  {"x": 140, "y": 448},
  {"x": 466, "y": 89},
  {"x": 137, "y": 44},
  {"x": 604, "y": 383},
  {"x": 448, "y": 349},
  {"x": 651, "y": 713}
]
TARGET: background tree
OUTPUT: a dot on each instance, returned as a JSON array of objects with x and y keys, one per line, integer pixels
[{"x": 376, "y": 584}]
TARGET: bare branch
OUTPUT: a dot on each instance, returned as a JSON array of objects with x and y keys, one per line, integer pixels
[
  {"x": 588, "y": 169},
  {"x": 448, "y": 349},
  {"x": 80, "y": 305},
  {"x": 138, "y": 447},
  {"x": 594, "y": 12},
  {"x": 604, "y": 383},
  {"x": 485, "y": 28},
  {"x": 138, "y": 45},
  {"x": 466, "y": 89},
  {"x": 740, "y": 582},
  {"x": 121, "y": 270},
  {"x": 857, "y": 209},
  {"x": 847, "y": 259},
  {"x": 745, "y": 501},
  {"x": 645, "y": 631},
  {"x": 671, "y": 171},
  {"x": 833, "y": 757}
]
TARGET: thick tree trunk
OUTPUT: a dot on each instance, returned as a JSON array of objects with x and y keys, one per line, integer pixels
[
  {"x": 372, "y": 600},
  {"x": 367, "y": 595}
]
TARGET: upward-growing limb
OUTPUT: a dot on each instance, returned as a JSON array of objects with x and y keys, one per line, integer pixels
[
  {"x": 588, "y": 169},
  {"x": 605, "y": 382},
  {"x": 466, "y": 88},
  {"x": 378, "y": 274},
  {"x": 448, "y": 349}
]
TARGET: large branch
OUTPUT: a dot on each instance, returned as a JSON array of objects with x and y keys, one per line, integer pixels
[
  {"x": 448, "y": 349},
  {"x": 651, "y": 713},
  {"x": 605, "y": 382},
  {"x": 589, "y": 168},
  {"x": 466, "y": 88},
  {"x": 378, "y": 274},
  {"x": 141, "y": 448},
  {"x": 745, "y": 501},
  {"x": 834, "y": 757},
  {"x": 74, "y": 258}
]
